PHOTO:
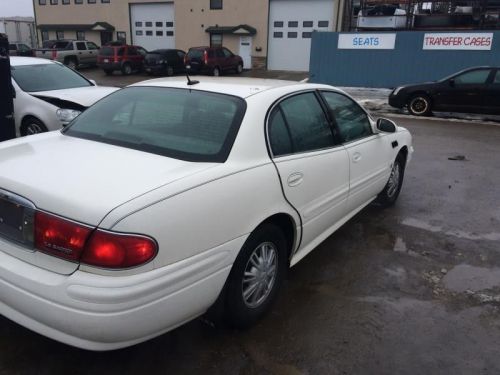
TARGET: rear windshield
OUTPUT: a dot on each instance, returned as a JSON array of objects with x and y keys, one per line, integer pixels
[
  {"x": 179, "y": 123},
  {"x": 107, "y": 51},
  {"x": 47, "y": 77},
  {"x": 195, "y": 53}
]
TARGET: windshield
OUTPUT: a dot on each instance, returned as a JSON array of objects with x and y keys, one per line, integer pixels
[
  {"x": 47, "y": 77},
  {"x": 179, "y": 123}
]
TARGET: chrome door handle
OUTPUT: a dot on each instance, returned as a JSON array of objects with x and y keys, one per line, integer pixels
[
  {"x": 295, "y": 179},
  {"x": 356, "y": 157}
]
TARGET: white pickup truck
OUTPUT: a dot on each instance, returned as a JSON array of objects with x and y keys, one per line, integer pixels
[{"x": 73, "y": 53}]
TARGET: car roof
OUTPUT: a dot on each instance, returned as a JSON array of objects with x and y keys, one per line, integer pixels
[
  {"x": 20, "y": 60},
  {"x": 240, "y": 86}
]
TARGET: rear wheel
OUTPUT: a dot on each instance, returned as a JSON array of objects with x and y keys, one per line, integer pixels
[
  {"x": 420, "y": 105},
  {"x": 256, "y": 276},
  {"x": 71, "y": 63},
  {"x": 239, "y": 69},
  {"x": 216, "y": 72},
  {"x": 31, "y": 125},
  {"x": 391, "y": 191},
  {"x": 170, "y": 71},
  {"x": 126, "y": 69}
]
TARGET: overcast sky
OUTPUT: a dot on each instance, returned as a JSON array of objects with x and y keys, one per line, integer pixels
[{"x": 10, "y": 8}]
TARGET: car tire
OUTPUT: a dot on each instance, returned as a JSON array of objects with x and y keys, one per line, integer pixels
[
  {"x": 265, "y": 247},
  {"x": 216, "y": 71},
  {"x": 31, "y": 125},
  {"x": 108, "y": 72},
  {"x": 170, "y": 71},
  {"x": 239, "y": 69},
  {"x": 391, "y": 191},
  {"x": 127, "y": 69},
  {"x": 71, "y": 63},
  {"x": 420, "y": 105}
]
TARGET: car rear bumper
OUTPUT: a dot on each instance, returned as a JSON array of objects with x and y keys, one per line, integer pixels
[
  {"x": 155, "y": 68},
  {"x": 99, "y": 312}
]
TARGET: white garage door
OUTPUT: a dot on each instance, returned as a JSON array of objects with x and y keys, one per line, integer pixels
[
  {"x": 291, "y": 23},
  {"x": 153, "y": 25}
]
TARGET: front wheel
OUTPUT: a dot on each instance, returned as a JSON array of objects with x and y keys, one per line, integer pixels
[
  {"x": 391, "y": 191},
  {"x": 256, "y": 276},
  {"x": 216, "y": 72},
  {"x": 126, "y": 69},
  {"x": 420, "y": 105},
  {"x": 170, "y": 71},
  {"x": 239, "y": 69},
  {"x": 31, "y": 126},
  {"x": 71, "y": 63}
]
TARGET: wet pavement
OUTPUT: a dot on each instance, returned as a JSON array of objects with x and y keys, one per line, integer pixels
[{"x": 413, "y": 289}]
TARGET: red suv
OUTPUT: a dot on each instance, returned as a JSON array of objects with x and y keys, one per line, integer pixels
[
  {"x": 123, "y": 57},
  {"x": 212, "y": 60}
]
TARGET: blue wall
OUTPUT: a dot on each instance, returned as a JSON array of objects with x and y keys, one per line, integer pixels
[{"x": 407, "y": 63}]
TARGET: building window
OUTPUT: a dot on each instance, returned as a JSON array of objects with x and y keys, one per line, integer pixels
[
  {"x": 159, "y": 33},
  {"x": 105, "y": 1},
  {"x": 53, "y": 2},
  {"x": 121, "y": 36},
  {"x": 138, "y": 33},
  {"x": 149, "y": 33},
  {"x": 278, "y": 34},
  {"x": 91, "y": 1},
  {"x": 322, "y": 23},
  {"x": 65, "y": 2},
  {"x": 170, "y": 33},
  {"x": 42, "y": 2},
  {"x": 292, "y": 34},
  {"x": 78, "y": 1},
  {"x": 215, "y": 40},
  {"x": 293, "y": 23},
  {"x": 169, "y": 24},
  {"x": 149, "y": 24},
  {"x": 278, "y": 23},
  {"x": 138, "y": 24},
  {"x": 45, "y": 36},
  {"x": 215, "y": 4},
  {"x": 159, "y": 24},
  {"x": 307, "y": 24},
  {"x": 59, "y": 35},
  {"x": 306, "y": 35},
  {"x": 80, "y": 35}
]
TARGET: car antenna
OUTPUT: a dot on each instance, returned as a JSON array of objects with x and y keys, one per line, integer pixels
[{"x": 190, "y": 83}]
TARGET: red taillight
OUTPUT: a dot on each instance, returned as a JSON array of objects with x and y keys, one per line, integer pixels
[
  {"x": 60, "y": 237},
  {"x": 76, "y": 242},
  {"x": 115, "y": 250},
  {"x": 54, "y": 54},
  {"x": 205, "y": 57}
]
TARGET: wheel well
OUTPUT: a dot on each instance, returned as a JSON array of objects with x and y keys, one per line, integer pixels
[
  {"x": 413, "y": 94},
  {"x": 403, "y": 153},
  {"x": 287, "y": 225}
]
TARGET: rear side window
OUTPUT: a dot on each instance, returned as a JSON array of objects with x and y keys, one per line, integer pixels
[
  {"x": 477, "y": 77},
  {"x": 299, "y": 124},
  {"x": 179, "y": 123},
  {"x": 80, "y": 46},
  {"x": 351, "y": 119}
]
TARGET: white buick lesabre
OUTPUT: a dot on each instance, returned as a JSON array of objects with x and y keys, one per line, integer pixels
[{"x": 165, "y": 197}]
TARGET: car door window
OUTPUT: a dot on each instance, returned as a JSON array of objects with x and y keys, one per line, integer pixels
[
  {"x": 181, "y": 55},
  {"x": 80, "y": 46},
  {"x": 219, "y": 53},
  {"x": 227, "y": 53},
  {"x": 299, "y": 124},
  {"x": 92, "y": 45},
  {"x": 476, "y": 77},
  {"x": 142, "y": 51},
  {"x": 352, "y": 121}
]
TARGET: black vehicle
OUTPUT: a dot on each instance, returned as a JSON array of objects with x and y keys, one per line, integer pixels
[
  {"x": 164, "y": 61},
  {"x": 474, "y": 90}
]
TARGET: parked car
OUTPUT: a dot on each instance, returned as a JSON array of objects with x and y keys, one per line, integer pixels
[
  {"x": 122, "y": 57},
  {"x": 73, "y": 53},
  {"x": 385, "y": 17},
  {"x": 165, "y": 61},
  {"x": 20, "y": 49},
  {"x": 212, "y": 60},
  {"x": 474, "y": 90},
  {"x": 168, "y": 196},
  {"x": 48, "y": 95}
]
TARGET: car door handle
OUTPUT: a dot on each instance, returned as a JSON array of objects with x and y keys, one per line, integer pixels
[
  {"x": 295, "y": 179},
  {"x": 356, "y": 157}
]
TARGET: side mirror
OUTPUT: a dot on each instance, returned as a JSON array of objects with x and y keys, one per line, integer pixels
[
  {"x": 451, "y": 82},
  {"x": 93, "y": 82},
  {"x": 386, "y": 125}
]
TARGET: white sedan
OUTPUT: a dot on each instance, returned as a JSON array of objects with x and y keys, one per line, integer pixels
[
  {"x": 49, "y": 95},
  {"x": 166, "y": 197}
]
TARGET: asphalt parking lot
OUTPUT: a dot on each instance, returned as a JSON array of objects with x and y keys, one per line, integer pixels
[{"x": 413, "y": 289}]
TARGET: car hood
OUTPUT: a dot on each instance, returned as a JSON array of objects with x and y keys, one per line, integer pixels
[
  {"x": 84, "y": 96},
  {"x": 84, "y": 180}
]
